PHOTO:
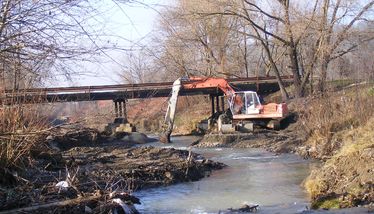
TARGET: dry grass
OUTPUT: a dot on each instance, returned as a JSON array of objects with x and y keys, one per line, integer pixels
[
  {"x": 315, "y": 186},
  {"x": 322, "y": 118},
  {"x": 21, "y": 128},
  {"x": 348, "y": 173},
  {"x": 191, "y": 111},
  {"x": 148, "y": 115}
]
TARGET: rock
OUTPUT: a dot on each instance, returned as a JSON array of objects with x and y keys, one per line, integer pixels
[
  {"x": 127, "y": 127},
  {"x": 223, "y": 140},
  {"x": 169, "y": 175},
  {"x": 137, "y": 137},
  {"x": 87, "y": 209}
]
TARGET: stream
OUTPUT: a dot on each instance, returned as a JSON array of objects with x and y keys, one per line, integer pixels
[{"x": 253, "y": 176}]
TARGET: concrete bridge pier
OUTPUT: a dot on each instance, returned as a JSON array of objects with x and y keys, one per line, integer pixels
[{"x": 121, "y": 124}]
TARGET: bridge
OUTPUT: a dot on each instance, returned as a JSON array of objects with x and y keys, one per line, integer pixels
[{"x": 123, "y": 92}]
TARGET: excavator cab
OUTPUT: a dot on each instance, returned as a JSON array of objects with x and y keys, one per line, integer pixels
[{"x": 245, "y": 102}]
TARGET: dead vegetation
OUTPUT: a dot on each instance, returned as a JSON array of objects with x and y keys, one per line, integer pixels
[
  {"x": 73, "y": 178},
  {"x": 21, "y": 129},
  {"x": 148, "y": 115},
  {"x": 346, "y": 179},
  {"x": 338, "y": 130},
  {"x": 74, "y": 169},
  {"x": 321, "y": 119}
]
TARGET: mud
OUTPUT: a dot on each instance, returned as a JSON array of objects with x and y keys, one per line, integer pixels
[
  {"x": 273, "y": 141},
  {"x": 95, "y": 169},
  {"x": 286, "y": 140}
]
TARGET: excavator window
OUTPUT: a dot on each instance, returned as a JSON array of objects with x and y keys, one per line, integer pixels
[
  {"x": 246, "y": 102},
  {"x": 252, "y": 100}
]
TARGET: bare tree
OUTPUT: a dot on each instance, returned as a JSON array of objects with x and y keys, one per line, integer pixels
[
  {"x": 37, "y": 37},
  {"x": 138, "y": 68},
  {"x": 282, "y": 30},
  {"x": 335, "y": 26},
  {"x": 202, "y": 45}
]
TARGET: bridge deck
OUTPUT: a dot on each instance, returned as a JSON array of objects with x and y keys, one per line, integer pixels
[{"x": 263, "y": 85}]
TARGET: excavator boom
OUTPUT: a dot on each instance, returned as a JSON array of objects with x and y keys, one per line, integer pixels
[{"x": 170, "y": 112}]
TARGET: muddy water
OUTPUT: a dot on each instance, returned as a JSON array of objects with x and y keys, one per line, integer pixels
[{"x": 252, "y": 177}]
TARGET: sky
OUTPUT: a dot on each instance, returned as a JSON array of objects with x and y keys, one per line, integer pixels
[{"x": 127, "y": 26}]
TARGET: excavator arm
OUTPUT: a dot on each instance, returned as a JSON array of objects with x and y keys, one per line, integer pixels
[{"x": 170, "y": 112}]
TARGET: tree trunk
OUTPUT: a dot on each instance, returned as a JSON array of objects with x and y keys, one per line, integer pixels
[
  {"x": 246, "y": 56},
  {"x": 323, "y": 77},
  {"x": 274, "y": 67},
  {"x": 292, "y": 52}
]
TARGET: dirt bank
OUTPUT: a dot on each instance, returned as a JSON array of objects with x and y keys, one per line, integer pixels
[
  {"x": 94, "y": 170},
  {"x": 346, "y": 179},
  {"x": 269, "y": 140},
  {"x": 286, "y": 140}
]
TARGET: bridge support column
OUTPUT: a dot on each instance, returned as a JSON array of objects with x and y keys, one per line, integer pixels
[
  {"x": 121, "y": 124},
  {"x": 120, "y": 109},
  {"x": 217, "y": 104},
  {"x": 116, "y": 108},
  {"x": 212, "y": 102},
  {"x": 124, "y": 109},
  {"x": 223, "y": 103}
]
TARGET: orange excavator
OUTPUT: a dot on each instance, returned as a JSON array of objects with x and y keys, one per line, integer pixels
[{"x": 245, "y": 107}]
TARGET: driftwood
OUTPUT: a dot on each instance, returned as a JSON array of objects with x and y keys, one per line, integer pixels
[
  {"x": 244, "y": 209},
  {"x": 53, "y": 204}
]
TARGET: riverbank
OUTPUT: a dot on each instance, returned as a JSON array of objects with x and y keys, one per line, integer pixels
[
  {"x": 346, "y": 179},
  {"x": 86, "y": 171}
]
